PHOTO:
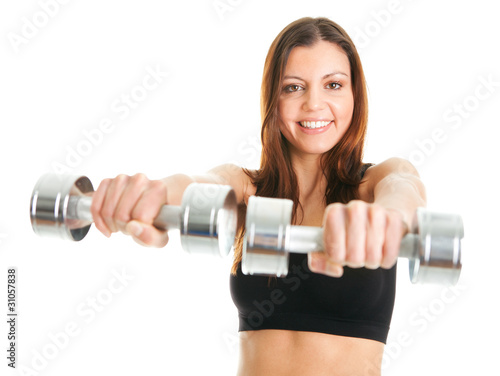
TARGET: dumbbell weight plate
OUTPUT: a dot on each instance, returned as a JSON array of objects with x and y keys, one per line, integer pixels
[
  {"x": 208, "y": 219},
  {"x": 266, "y": 237},
  {"x": 49, "y": 206},
  {"x": 438, "y": 252}
]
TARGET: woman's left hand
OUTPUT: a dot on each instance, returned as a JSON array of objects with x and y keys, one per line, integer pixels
[{"x": 358, "y": 234}]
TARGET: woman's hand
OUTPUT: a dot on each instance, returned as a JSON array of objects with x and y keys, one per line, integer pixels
[
  {"x": 130, "y": 204},
  {"x": 358, "y": 234}
]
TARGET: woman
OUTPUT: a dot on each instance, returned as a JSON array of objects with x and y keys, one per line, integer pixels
[{"x": 331, "y": 314}]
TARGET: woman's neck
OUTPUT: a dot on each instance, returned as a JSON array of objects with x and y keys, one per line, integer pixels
[{"x": 310, "y": 178}]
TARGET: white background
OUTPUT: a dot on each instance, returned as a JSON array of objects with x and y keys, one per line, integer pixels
[{"x": 422, "y": 59}]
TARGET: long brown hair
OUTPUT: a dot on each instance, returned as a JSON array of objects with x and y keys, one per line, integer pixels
[{"x": 342, "y": 164}]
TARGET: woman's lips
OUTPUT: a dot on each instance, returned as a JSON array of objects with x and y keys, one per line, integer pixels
[
  {"x": 314, "y": 127},
  {"x": 314, "y": 124}
]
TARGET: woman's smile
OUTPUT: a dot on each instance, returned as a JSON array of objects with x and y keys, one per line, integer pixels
[
  {"x": 315, "y": 127},
  {"x": 314, "y": 124}
]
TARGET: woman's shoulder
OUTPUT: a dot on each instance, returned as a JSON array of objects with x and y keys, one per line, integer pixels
[
  {"x": 374, "y": 173},
  {"x": 237, "y": 177},
  {"x": 395, "y": 165}
]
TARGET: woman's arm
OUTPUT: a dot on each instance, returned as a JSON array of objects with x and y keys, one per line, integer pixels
[
  {"x": 395, "y": 184},
  {"x": 368, "y": 232},
  {"x": 131, "y": 203}
]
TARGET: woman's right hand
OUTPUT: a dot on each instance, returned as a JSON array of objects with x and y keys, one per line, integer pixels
[{"x": 130, "y": 204}]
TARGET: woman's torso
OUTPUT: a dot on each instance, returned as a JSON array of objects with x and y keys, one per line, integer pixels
[{"x": 272, "y": 351}]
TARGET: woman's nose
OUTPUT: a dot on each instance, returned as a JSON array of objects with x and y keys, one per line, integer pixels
[{"x": 313, "y": 100}]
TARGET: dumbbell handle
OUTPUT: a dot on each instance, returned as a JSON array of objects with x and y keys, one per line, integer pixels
[
  {"x": 169, "y": 217},
  {"x": 306, "y": 239}
]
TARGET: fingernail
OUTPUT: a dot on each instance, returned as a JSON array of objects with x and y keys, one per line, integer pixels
[{"x": 134, "y": 228}]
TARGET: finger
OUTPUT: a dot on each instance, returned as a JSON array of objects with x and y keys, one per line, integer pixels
[
  {"x": 128, "y": 200},
  {"x": 334, "y": 233},
  {"x": 356, "y": 222},
  {"x": 113, "y": 195},
  {"x": 147, "y": 235},
  {"x": 393, "y": 235},
  {"x": 375, "y": 236},
  {"x": 96, "y": 207},
  {"x": 319, "y": 262},
  {"x": 150, "y": 203}
]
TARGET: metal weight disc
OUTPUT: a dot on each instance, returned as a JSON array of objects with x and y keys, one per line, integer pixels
[
  {"x": 49, "y": 206},
  {"x": 439, "y": 248},
  {"x": 209, "y": 219},
  {"x": 266, "y": 240}
]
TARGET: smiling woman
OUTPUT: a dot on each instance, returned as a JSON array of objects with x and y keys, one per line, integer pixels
[
  {"x": 314, "y": 112},
  {"x": 312, "y": 73},
  {"x": 331, "y": 314},
  {"x": 313, "y": 102}
]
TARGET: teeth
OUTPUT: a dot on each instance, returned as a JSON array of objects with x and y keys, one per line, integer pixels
[{"x": 314, "y": 124}]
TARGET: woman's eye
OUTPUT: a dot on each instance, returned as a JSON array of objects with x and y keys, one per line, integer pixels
[
  {"x": 292, "y": 88},
  {"x": 334, "y": 85}
]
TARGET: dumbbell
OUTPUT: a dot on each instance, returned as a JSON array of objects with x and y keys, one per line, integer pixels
[
  {"x": 207, "y": 217},
  {"x": 433, "y": 247}
]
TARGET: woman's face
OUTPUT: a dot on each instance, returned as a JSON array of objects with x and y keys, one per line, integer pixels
[{"x": 316, "y": 100}]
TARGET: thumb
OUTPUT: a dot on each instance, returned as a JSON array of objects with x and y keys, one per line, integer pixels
[{"x": 147, "y": 235}]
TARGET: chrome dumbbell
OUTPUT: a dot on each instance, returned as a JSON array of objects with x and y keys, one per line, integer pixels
[
  {"x": 207, "y": 217},
  {"x": 433, "y": 247}
]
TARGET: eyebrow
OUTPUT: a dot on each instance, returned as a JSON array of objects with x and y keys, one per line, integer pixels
[{"x": 325, "y": 76}]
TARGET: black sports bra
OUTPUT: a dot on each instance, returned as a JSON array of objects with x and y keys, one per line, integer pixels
[{"x": 358, "y": 304}]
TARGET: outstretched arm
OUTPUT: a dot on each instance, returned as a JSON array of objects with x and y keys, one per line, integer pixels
[{"x": 131, "y": 203}]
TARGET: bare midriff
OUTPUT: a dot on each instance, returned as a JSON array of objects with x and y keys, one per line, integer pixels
[{"x": 290, "y": 353}]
